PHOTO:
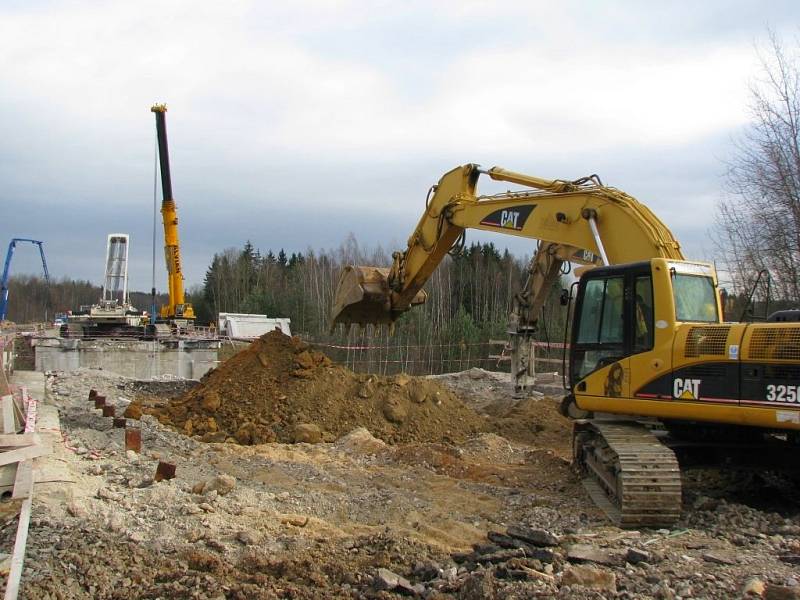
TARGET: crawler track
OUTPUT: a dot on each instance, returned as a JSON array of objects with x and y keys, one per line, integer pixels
[{"x": 630, "y": 475}]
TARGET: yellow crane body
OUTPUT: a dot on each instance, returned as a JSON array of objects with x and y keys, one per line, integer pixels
[{"x": 177, "y": 308}]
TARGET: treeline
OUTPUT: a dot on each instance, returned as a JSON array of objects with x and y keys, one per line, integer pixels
[
  {"x": 469, "y": 297},
  {"x": 32, "y": 300}
]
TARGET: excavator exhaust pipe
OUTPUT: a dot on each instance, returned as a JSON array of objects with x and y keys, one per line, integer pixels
[{"x": 363, "y": 296}]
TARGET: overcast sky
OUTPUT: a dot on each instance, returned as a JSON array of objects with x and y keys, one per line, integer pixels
[{"x": 292, "y": 124}]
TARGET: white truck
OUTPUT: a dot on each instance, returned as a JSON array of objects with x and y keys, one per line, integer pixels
[{"x": 248, "y": 327}]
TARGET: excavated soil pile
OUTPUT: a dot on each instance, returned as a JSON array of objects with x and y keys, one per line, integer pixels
[
  {"x": 533, "y": 421},
  {"x": 280, "y": 389}
]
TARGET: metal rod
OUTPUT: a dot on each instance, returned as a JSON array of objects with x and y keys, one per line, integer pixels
[{"x": 597, "y": 240}]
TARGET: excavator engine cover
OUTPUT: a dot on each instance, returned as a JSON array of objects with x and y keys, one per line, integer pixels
[{"x": 363, "y": 296}]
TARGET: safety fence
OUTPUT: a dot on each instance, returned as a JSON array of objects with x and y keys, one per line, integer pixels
[{"x": 434, "y": 359}]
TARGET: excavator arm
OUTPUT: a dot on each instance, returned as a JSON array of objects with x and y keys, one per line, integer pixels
[{"x": 579, "y": 221}]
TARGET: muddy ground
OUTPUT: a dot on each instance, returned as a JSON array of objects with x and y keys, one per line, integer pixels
[{"x": 357, "y": 516}]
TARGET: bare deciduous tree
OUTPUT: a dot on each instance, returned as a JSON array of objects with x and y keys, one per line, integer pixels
[{"x": 758, "y": 225}]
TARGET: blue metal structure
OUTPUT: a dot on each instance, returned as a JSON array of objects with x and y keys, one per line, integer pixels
[{"x": 4, "y": 281}]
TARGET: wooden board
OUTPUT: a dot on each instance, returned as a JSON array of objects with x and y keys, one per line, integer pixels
[
  {"x": 18, "y": 556},
  {"x": 20, "y": 454},
  {"x": 7, "y": 412},
  {"x": 23, "y": 479},
  {"x": 15, "y": 440}
]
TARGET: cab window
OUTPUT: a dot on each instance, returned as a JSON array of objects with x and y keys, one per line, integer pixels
[
  {"x": 601, "y": 326},
  {"x": 695, "y": 298},
  {"x": 601, "y": 319}
]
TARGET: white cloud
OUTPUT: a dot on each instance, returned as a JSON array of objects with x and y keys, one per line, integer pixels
[{"x": 354, "y": 104}]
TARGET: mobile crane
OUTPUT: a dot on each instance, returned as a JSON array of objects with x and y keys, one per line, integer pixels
[
  {"x": 648, "y": 341},
  {"x": 177, "y": 312}
]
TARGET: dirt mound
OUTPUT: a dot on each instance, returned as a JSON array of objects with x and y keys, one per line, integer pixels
[
  {"x": 280, "y": 389},
  {"x": 533, "y": 421}
]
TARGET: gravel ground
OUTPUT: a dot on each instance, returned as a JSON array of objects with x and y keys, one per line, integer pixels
[{"x": 357, "y": 518}]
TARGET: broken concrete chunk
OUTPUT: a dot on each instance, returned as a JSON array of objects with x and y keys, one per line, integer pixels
[
  {"x": 718, "y": 559},
  {"x": 537, "y": 537},
  {"x": 387, "y": 580},
  {"x": 222, "y": 484},
  {"x": 636, "y": 556},
  {"x": 506, "y": 541},
  {"x": 584, "y": 553},
  {"x": 589, "y": 577}
]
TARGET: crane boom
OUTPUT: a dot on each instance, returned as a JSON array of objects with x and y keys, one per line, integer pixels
[
  {"x": 7, "y": 267},
  {"x": 177, "y": 307}
]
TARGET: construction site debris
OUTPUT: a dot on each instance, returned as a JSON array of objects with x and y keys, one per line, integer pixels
[
  {"x": 133, "y": 439},
  {"x": 280, "y": 389},
  {"x": 319, "y": 520},
  {"x": 164, "y": 471}
]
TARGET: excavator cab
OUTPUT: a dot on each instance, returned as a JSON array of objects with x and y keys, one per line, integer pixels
[{"x": 646, "y": 331}]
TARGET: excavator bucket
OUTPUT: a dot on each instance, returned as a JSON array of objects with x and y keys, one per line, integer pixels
[{"x": 363, "y": 296}]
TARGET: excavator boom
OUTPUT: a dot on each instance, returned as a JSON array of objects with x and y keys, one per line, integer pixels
[{"x": 580, "y": 221}]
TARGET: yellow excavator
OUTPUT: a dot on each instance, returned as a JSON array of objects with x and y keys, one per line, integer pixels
[
  {"x": 177, "y": 313},
  {"x": 654, "y": 371}
]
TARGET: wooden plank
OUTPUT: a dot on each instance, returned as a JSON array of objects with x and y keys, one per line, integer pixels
[
  {"x": 15, "y": 440},
  {"x": 18, "y": 555},
  {"x": 7, "y": 408},
  {"x": 22, "y": 480},
  {"x": 20, "y": 454}
]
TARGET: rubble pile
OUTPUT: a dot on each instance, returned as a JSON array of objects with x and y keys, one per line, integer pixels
[{"x": 279, "y": 389}]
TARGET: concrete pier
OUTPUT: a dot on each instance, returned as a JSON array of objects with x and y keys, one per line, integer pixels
[{"x": 138, "y": 359}]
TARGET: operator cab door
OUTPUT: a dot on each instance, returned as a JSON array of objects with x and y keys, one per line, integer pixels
[{"x": 613, "y": 321}]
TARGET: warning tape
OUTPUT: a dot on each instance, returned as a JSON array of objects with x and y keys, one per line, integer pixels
[{"x": 553, "y": 345}]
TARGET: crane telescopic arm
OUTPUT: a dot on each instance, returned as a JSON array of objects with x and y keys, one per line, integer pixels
[{"x": 177, "y": 307}]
